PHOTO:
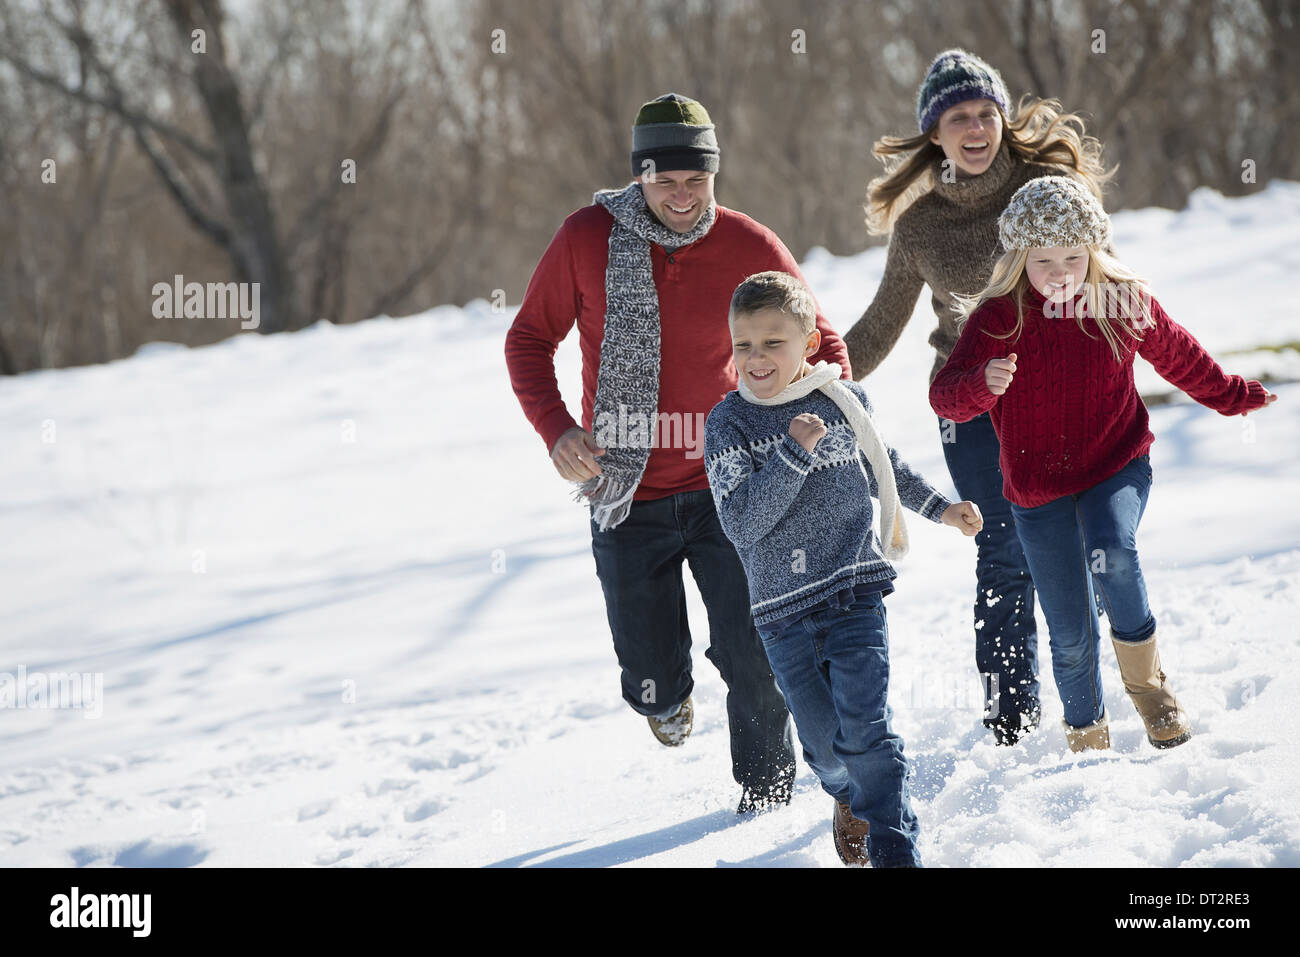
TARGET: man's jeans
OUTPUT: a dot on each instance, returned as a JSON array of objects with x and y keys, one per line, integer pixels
[
  {"x": 639, "y": 563},
  {"x": 833, "y": 666},
  {"x": 1077, "y": 543},
  {"x": 1006, "y": 638}
]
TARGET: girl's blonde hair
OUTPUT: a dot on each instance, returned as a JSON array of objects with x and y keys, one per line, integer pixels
[
  {"x": 1116, "y": 301},
  {"x": 1038, "y": 132}
]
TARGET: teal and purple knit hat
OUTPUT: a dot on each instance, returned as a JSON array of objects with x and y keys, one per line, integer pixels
[
  {"x": 674, "y": 132},
  {"x": 954, "y": 77}
]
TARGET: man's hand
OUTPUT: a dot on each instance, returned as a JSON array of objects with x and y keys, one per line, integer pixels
[
  {"x": 574, "y": 455},
  {"x": 998, "y": 374},
  {"x": 964, "y": 516},
  {"x": 807, "y": 429}
]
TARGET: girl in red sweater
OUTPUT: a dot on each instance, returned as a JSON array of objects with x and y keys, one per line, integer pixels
[{"x": 1047, "y": 349}]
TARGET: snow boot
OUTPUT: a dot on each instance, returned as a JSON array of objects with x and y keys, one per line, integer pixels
[
  {"x": 676, "y": 728},
  {"x": 1139, "y": 666},
  {"x": 1091, "y": 737},
  {"x": 1010, "y": 728},
  {"x": 850, "y": 837},
  {"x": 769, "y": 796}
]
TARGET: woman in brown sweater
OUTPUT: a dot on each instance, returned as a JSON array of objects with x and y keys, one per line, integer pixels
[{"x": 940, "y": 200}]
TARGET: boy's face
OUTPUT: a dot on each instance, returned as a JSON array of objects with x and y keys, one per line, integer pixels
[
  {"x": 769, "y": 350},
  {"x": 1057, "y": 272}
]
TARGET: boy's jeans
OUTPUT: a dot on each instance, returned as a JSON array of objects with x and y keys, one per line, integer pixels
[
  {"x": 833, "y": 667},
  {"x": 1006, "y": 639},
  {"x": 639, "y": 563},
  {"x": 1073, "y": 543}
]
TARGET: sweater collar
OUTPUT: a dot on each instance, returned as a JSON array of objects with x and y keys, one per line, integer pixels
[{"x": 973, "y": 190}]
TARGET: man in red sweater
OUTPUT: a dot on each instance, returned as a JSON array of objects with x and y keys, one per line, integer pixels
[{"x": 647, "y": 272}]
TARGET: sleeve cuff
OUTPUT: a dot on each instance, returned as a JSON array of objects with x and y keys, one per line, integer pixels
[
  {"x": 934, "y": 507},
  {"x": 554, "y": 426},
  {"x": 795, "y": 455}
]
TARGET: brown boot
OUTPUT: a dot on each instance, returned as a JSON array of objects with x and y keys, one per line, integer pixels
[
  {"x": 1091, "y": 737},
  {"x": 674, "y": 730},
  {"x": 850, "y": 837},
  {"x": 1139, "y": 666}
]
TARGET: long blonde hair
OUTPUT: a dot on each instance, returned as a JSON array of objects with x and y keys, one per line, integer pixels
[
  {"x": 1038, "y": 132},
  {"x": 1115, "y": 299}
]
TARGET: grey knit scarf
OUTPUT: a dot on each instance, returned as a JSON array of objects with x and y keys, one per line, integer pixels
[{"x": 627, "y": 385}]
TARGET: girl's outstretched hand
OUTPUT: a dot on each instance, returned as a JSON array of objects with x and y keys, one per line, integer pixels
[
  {"x": 964, "y": 516},
  {"x": 1269, "y": 399}
]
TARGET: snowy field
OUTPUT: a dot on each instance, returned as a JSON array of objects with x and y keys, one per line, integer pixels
[{"x": 346, "y": 613}]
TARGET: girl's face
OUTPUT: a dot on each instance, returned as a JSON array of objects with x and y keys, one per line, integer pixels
[
  {"x": 969, "y": 134},
  {"x": 769, "y": 349},
  {"x": 1057, "y": 272}
]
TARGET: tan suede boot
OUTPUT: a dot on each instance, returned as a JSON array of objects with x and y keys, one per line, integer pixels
[
  {"x": 1139, "y": 666},
  {"x": 1091, "y": 737}
]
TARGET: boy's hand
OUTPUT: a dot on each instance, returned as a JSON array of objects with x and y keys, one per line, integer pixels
[
  {"x": 574, "y": 455},
  {"x": 998, "y": 374},
  {"x": 807, "y": 429},
  {"x": 964, "y": 516}
]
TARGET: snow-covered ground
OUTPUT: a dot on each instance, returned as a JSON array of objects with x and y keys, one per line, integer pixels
[{"x": 345, "y": 612}]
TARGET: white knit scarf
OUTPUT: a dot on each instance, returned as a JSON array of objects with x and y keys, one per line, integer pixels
[{"x": 826, "y": 376}]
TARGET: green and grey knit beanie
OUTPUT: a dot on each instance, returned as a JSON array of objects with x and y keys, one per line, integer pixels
[
  {"x": 954, "y": 77},
  {"x": 674, "y": 132},
  {"x": 1053, "y": 211}
]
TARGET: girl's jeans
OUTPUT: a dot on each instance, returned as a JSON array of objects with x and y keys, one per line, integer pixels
[
  {"x": 1073, "y": 543},
  {"x": 833, "y": 668}
]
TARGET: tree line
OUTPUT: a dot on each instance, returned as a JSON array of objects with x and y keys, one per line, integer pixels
[{"x": 365, "y": 157}]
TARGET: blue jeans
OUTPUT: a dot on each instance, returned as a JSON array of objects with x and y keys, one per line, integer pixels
[
  {"x": 1077, "y": 543},
  {"x": 1006, "y": 637},
  {"x": 639, "y": 564},
  {"x": 833, "y": 667}
]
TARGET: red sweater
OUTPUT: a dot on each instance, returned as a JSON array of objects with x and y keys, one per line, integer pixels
[
  {"x": 694, "y": 284},
  {"x": 1072, "y": 416}
]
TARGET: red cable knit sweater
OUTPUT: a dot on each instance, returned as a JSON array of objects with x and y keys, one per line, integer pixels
[
  {"x": 696, "y": 371},
  {"x": 1072, "y": 416}
]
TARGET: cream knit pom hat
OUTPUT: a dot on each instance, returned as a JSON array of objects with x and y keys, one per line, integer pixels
[{"x": 1053, "y": 211}]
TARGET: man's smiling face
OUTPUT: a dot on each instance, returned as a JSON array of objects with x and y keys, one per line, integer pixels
[{"x": 678, "y": 198}]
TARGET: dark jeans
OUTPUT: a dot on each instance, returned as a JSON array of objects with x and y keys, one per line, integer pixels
[
  {"x": 833, "y": 666},
  {"x": 639, "y": 563},
  {"x": 1006, "y": 638},
  {"x": 1079, "y": 544}
]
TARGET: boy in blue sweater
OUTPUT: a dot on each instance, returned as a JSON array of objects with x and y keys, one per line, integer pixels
[{"x": 793, "y": 460}]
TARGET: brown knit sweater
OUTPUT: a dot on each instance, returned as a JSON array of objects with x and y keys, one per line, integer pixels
[{"x": 948, "y": 240}]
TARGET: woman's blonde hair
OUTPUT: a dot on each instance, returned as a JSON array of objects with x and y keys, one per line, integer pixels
[
  {"x": 1115, "y": 299},
  {"x": 1038, "y": 132}
]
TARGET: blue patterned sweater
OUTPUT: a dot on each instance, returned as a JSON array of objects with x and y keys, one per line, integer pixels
[{"x": 803, "y": 525}]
